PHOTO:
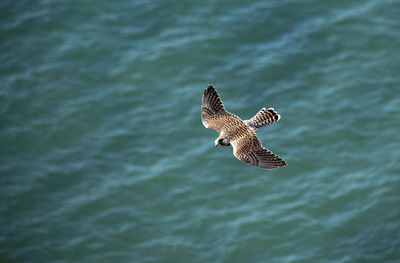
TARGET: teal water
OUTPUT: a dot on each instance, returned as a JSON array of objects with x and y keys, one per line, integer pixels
[{"x": 104, "y": 158}]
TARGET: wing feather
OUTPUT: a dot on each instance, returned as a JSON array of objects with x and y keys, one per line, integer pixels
[
  {"x": 249, "y": 149},
  {"x": 213, "y": 113}
]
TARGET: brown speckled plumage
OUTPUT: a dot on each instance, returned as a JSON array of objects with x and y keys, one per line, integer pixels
[{"x": 240, "y": 134}]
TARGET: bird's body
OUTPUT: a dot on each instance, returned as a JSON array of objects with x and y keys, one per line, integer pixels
[{"x": 238, "y": 133}]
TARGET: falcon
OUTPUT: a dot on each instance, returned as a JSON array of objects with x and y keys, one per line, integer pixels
[{"x": 237, "y": 133}]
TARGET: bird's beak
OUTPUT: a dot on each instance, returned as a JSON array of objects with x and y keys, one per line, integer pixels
[{"x": 216, "y": 144}]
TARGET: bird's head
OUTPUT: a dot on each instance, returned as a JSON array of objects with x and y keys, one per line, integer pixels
[{"x": 222, "y": 142}]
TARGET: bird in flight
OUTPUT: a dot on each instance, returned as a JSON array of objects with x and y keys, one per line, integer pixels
[{"x": 237, "y": 133}]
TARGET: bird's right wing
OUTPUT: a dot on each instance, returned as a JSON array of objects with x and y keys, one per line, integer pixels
[
  {"x": 213, "y": 113},
  {"x": 249, "y": 150}
]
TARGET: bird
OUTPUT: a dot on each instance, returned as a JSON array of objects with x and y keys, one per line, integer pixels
[{"x": 239, "y": 134}]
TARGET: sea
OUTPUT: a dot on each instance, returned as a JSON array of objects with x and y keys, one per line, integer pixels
[{"x": 104, "y": 158}]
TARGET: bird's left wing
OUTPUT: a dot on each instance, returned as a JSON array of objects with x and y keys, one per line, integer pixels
[{"x": 249, "y": 150}]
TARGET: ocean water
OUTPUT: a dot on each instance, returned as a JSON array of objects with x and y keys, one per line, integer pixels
[{"x": 104, "y": 158}]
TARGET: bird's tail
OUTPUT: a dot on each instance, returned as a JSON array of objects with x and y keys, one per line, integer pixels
[{"x": 263, "y": 118}]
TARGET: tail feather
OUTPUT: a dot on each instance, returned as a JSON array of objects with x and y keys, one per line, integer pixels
[{"x": 263, "y": 118}]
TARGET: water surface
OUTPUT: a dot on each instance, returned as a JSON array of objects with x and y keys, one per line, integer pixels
[{"x": 104, "y": 158}]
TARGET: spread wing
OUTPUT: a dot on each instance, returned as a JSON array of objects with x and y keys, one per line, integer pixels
[
  {"x": 249, "y": 150},
  {"x": 213, "y": 113}
]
